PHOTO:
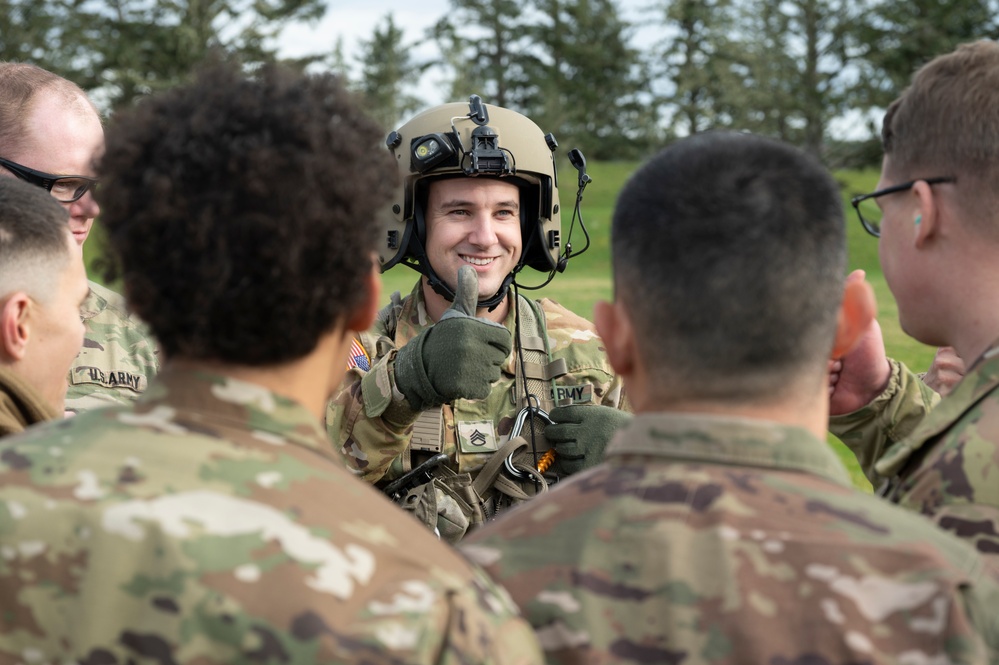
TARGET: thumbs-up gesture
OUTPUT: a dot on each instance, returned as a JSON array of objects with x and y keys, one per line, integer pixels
[{"x": 459, "y": 357}]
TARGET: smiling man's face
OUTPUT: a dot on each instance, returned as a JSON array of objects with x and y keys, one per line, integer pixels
[{"x": 475, "y": 222}]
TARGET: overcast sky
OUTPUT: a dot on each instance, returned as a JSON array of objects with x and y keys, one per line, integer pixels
[{"x": 356, "y": 19}]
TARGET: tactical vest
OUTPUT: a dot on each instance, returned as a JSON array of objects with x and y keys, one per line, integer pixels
[{"x": 452, "y": 502}]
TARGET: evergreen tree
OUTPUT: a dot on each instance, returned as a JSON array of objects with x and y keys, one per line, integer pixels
[
  {"x": 484, "y": 46},
  {"x": 387, "y": 71},
  {"x": 588, "y": 85}
]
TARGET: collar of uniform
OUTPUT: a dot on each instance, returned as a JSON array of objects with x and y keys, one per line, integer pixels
[
  {"x": 982, "y": 378},
  {"x": 714, "y": 439},
  {"x": 94, "y": 303},
  {"x": 413, "y": 318},
  {"x": 203, "y": 396},
  {"x": 20, "y": 404}
]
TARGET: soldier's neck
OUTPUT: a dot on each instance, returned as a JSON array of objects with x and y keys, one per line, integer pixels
[{"x": 309, "y": 380}]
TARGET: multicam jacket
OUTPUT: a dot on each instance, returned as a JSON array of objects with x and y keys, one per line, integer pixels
[
  {"x": 727, "y": 540},
  {"x": 938, "y": 459},
  {"x": 473, "y": 429},
  {"x": 210, "y": 522},
  {"x": 118, "y": 357}
]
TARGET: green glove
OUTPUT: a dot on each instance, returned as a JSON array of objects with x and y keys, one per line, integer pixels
[
  {"x": 458, "y": 357},
  {"x": 581, "y": 432}
]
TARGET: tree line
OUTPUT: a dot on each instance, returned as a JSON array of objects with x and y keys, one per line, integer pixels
[{"x": 782, "y": 68}]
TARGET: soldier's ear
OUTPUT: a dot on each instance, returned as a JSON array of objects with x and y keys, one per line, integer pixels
[
  {"x": 15, "y": 326},
  {"x": 364, "y": 315},
  {"x": 856, "y": 312},
  {"x": 614, "y": 327}
]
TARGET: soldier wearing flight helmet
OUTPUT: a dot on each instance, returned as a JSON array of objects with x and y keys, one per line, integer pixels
[{"x": 451, "y": 373}]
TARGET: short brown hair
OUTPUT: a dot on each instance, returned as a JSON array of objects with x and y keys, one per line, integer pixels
[
  {"x": 20, "y": 84},
  {"x": 946, "y": 124},
  {"x": 34, "y": 240}
]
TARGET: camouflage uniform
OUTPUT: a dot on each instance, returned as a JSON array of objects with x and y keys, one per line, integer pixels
[
  {"x": 20, "y": 405},
  {"x": 729, "y": 540},
  {"x": 473, "y": 429},
  {"x": 941, "y": 460},
  {"x": 118, "y": 357},
  {"x": 210, "y": 523}
]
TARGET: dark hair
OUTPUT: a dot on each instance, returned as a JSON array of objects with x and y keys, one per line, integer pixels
[
  {"x": 33, "y": 229},
  {"x": 729, "y": 252},
  {"x": 946, "y": 125},
  {"x": 240, "y": 210}
]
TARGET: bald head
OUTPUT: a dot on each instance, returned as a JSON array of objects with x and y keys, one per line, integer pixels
[
  {"x": 22, "y": 87},
  {"x": 48, "y": 124}
]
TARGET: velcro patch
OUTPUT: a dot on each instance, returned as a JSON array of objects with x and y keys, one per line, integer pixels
[
  {"x": 566, "y": 395},
  {"x": 477, "y": 436},
  {"x": 108, "y": 378},
  {"x": 358, "y": 356}
]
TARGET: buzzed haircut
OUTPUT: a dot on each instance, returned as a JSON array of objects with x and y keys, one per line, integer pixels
[
  {"x": 240, "y": 210},
  {"x": 946, "y": 124},
  {"x": 20, "y": 84},
  {"x": 34, "y": 240},
  {"x": 729, "y": 254}
]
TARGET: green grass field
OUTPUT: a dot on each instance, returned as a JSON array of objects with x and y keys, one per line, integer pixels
[{"x": 588, "y": 277}]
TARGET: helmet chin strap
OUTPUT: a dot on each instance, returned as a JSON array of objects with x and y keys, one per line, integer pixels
[
  {"x": 423, "y": 267},
  {"x": 447, "y": 293}
]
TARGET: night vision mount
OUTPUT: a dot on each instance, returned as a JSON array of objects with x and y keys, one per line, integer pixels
[{"x": 439, "y": 149}]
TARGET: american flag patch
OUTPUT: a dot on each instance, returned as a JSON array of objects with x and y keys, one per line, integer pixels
[{"x": 358, "y": 357}]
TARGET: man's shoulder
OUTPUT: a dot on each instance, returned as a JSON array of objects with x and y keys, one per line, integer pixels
[
  {"x": 558, "y": 317},
  {"x": 713, "y": 541},
  {"x": 689, "y": 499},
  {"x": 307, "y": 547},
  {"x": 569, "y": 334}
]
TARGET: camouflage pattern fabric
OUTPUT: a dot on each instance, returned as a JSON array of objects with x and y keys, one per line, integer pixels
[
  {"x": 118, "y": 357},
  {"x": 946, "y": 465},
  {"x": 890, "y": 417},
  {"x": 727, "y": 540},
  {"x": 473, "y": 429},
  {"x": 20, "y": 405},
  {"x": 210, "y": 523}
]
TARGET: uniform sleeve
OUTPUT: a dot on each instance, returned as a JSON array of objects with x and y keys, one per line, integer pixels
[
  {"x": 890, "y": 417},
  {"x": 368, "y": 419}
]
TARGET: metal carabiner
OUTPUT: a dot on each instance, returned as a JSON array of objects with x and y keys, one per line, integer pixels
[{"x": 518, "y": 426}]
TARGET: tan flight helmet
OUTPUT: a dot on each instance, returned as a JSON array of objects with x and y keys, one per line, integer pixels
[{"x": 472, "y": 140}]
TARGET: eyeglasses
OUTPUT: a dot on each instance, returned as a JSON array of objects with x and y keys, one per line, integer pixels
[
  {"x": 870, "y": 213},
  {"x": 65, "y": 188}
]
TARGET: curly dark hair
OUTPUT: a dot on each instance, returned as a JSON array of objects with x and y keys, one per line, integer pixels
[{"x": 239, "y": 211}]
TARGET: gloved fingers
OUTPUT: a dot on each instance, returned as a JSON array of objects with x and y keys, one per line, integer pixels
[
  {"x": 466, "y": 299},
  {"x": 562, "y": 433},
  {"x": 574, "y": 413},
  {"x": 569, "y": 450},
  {"x": 466, "y": 295}
]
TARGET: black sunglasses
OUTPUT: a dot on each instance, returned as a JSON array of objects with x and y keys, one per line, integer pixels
[
  {"x": 65, "y": 188},
  {"x": 870, "y": 215}
]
